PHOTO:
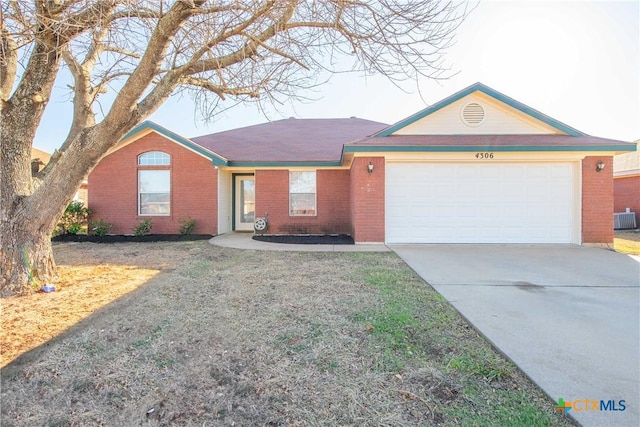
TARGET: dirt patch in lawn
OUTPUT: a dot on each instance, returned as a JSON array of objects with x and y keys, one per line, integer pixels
[
  {"x": 627, "y": 241},
  {"x": 218, "y": 336}
]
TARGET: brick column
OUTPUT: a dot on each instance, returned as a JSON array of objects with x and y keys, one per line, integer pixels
[
  {"x": 597, "y": 201},
  {"x": 367, "y": 199}
]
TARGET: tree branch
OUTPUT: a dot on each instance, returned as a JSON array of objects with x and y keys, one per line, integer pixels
[
  {"x": 69, "y": 28},
  {"x": 276, "y": 51},
  {"x": 239, "y": 30},
  {"x": 173, "y": 78},
  {"x": 124, "y": 105},
  {"x": 220, "y": 90},
  {"x": 248, "y": 50},
  {"x": 82, "y": 100},
  {"x": 8, "y": 61}
]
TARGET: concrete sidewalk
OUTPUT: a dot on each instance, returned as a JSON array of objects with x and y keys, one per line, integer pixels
[
  {"x": 245, "y": 241},
  {"x": 567, "y": 315}
]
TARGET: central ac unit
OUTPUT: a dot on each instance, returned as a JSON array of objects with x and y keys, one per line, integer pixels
[{"x": 623, "y": 221}]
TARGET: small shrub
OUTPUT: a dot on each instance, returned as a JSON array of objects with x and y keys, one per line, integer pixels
[
  {"x": 100, "y": 227},
  {"x": 74, "y": 219},
  {"x": 187, "y": 225},
  {"x": 143, "y": 228}
]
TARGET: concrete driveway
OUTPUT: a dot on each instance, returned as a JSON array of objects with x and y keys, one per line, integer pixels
[{"x": 567, "y": 315}]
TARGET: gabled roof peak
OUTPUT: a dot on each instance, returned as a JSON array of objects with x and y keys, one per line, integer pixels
[
  {"x": 150, "y": 126},
  {"x": 480, "y": 87}
]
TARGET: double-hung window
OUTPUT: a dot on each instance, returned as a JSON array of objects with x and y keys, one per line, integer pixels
[
  {"x": 302, "y": 193},
  {"x": 154, "y": 184}
]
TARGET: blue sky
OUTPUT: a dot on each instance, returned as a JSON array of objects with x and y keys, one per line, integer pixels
[{"x": 576, "y": 61}]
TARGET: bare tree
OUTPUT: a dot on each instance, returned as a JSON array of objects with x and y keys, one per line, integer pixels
[{"x": 143, "y": 51}]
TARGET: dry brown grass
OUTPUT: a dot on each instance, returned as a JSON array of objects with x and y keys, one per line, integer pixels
[
  {"x": 28, "y": 322},
  {"x": 230, "y": 337},
  {"x": 627, "y": 242}
]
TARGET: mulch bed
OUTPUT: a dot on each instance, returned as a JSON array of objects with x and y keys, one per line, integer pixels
[
  {"x": 339, "y": 239},
  {"x": 129, "y": 238}
]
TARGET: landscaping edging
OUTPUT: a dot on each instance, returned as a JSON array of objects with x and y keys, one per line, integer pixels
[{"x": 130, "y": 238}]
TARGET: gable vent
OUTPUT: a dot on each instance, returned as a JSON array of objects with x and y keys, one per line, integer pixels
[{"x": 472, "y": 114}]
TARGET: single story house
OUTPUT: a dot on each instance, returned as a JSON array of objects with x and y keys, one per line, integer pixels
[
  {"x": 476, "y": 167},
  {"x": 626, "y": 182}
]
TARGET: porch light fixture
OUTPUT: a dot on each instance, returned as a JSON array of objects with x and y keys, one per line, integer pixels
[
  {"x": 600, "y": 166},
  {"x": 370, "y": 168}
]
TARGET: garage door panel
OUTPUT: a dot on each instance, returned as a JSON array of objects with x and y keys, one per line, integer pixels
[{"x": 480, "y": 203}]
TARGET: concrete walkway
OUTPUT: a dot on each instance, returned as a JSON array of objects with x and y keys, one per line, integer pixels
[
  {"x": 245, "y": 241},
  {"x": 568, "y": 316}
]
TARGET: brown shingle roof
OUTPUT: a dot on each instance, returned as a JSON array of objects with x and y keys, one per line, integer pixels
[{"x": 289, "y": 140}]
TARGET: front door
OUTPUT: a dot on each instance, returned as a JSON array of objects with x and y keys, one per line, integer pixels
[{"x": 244, "y": 202}]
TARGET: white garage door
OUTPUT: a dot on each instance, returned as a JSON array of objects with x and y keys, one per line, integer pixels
[{"x": 480, "y": 202}]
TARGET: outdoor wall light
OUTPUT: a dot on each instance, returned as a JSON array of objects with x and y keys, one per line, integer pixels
[
  {"x": 600, "y": 166},
  {"x": 370, "y": 167}
]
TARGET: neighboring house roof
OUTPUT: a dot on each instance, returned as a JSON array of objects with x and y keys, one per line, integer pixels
[
  {"x": 39, "y": 154},
  {"x": 291, "y": 140},
  {"x": 628, "y": 163}
]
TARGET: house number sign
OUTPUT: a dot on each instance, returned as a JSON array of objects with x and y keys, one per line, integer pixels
[{"x": 484, "y": 156}]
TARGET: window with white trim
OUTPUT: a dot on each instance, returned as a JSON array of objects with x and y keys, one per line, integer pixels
[
  {"x": 154, "y": 158},
  {"x": 302, "y": 193},
  {"x": 154, "y": 184}
]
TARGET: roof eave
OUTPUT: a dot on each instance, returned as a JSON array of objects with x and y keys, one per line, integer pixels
[
  {"x": 280, "y": 164},
  {"x": 473, "y": 148}
]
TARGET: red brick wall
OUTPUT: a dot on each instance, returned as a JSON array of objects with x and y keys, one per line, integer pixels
[
  {"x": 626, "y": 194},
  {"x": 367, "y": 199},
  {"x": 332, "y": 196},
  {"x": 113, "y": 188},
  {"x": 597, "y": 201}
]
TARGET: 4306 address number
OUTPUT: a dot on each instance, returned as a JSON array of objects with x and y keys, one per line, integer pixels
[{"x": 483, "y": 156}]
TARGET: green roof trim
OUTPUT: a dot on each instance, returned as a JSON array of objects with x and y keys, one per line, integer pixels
[
  {"x": 215, "y": 158},
  {"x": 217, "y": 161},
  {"x": 478, "y": 148},
  {"x": 284, "y": 164},
  {"x": 492, "y": 93}
]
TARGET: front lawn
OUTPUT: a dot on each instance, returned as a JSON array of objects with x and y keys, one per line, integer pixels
[
  {"x": 627, "y": 241},
  {"x": 199, "y": 334}
]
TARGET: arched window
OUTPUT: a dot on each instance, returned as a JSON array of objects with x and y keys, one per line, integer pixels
[
  {"x": 154, "y": 184},
  {"x": 154, "y": 158}
]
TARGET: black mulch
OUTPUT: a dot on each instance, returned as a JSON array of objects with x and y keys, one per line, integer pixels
[
  {"x": 124, "y": 239},
  {"x": 339, "y": 239}
]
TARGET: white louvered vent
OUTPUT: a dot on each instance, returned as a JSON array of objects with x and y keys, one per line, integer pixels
[
  {"x": 623, "y": 221},
  {"x": 472, "y": 114}
]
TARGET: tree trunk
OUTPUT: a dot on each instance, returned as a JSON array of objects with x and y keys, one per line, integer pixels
[{"x": 26, "y": 258}]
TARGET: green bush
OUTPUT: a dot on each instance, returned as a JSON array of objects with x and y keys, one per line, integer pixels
[
  {"x": 74, "y": 219},
  {"x": 100, "y": 227},
  {"x": 143, "y": 228},
  {"x": 187, "y": 225}
]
